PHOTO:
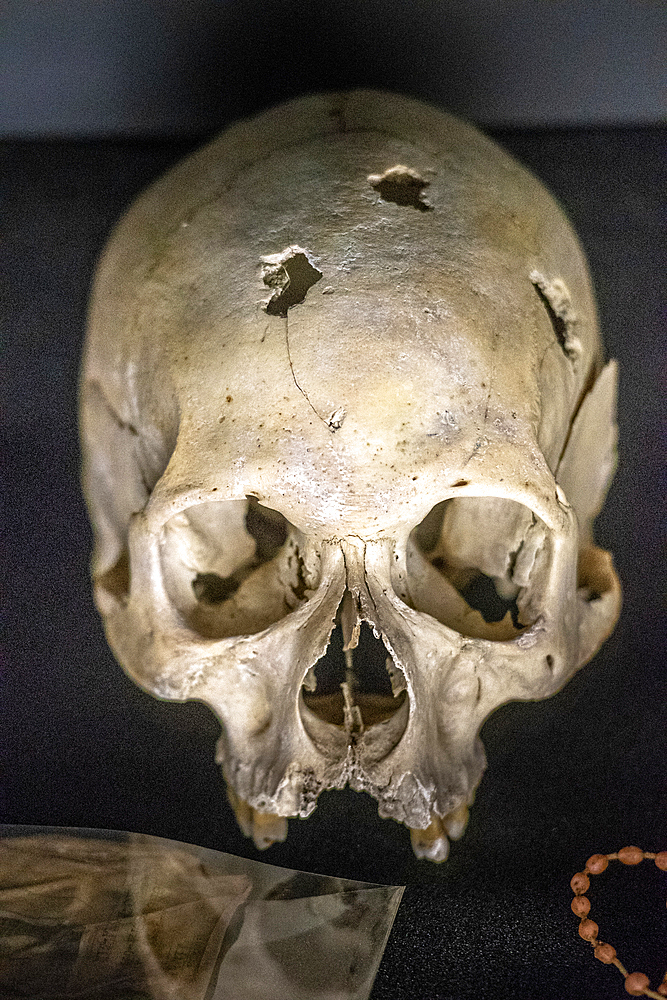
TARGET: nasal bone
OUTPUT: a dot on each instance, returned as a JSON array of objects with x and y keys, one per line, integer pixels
[
  {"x": 349, "y": 618},
  {"x": 355, "y": 596}
]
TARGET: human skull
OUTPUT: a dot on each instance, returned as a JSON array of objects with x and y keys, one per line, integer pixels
[{"x": 343, "y": 367}]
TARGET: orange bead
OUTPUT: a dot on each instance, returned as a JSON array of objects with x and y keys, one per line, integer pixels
[
  {"x": 596, "y": 864},
  {"x": 636, "y": 983},
  {"x": 580, "y": 883},
  {"x": 662, "y": 989},
  {"x": 580, "y": 906},
  {"x": 630, "y": 855},
  {"x": 605, "y": 953},
  {"x": 588, "y": 930},
  {"x": 661, "y": 861}
]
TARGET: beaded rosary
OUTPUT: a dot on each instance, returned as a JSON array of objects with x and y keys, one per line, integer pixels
[{"x": 636, "y": 983}]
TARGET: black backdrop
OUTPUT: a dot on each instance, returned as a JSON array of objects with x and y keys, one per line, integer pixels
[{"x": 582, "y": 772}]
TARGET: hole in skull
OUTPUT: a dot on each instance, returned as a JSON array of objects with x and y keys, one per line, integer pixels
[
  {"x": 558, "y": 324},
  {"x": 232, "y": 567},
  {"x": 290, "y": 274},
  {"x": 555, "y": 298},
  {"x": 475, "y": 564},
  {"x": 367, "y": 674},
  {"x": 402, "y": 186}
]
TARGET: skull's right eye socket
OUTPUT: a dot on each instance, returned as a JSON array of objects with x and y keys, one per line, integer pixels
[
  {"x": 231, "y": 567},
  {"x": 473, "y": 563}
]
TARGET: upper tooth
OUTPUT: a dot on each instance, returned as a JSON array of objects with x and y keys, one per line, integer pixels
[
  {"x": 430, "y": 843},
  {"x": 456, "y": 821}
]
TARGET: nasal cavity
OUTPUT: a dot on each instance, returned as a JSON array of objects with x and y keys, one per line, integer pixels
[{"x": 364, "y": 678}]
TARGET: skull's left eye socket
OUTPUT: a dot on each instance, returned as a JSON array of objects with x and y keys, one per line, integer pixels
[
  {"x": 231, "y": 567},
  {"x": 477, "y": 565}
]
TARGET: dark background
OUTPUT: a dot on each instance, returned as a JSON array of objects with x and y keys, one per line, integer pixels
[{"x": 98, "y": 105}]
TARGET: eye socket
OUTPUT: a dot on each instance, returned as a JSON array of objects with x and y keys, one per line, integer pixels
[
  {"x": 269, "y": 530},
  {"x": 471, "y": 563},
  {"x": 231, "y": 567}
]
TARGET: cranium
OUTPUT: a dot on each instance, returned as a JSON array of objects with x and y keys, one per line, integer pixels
[{"x": 343, "y": 367}]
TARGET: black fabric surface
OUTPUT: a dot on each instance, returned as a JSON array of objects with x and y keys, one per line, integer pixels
[{"x": 583, "y": 772}]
